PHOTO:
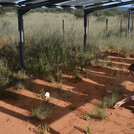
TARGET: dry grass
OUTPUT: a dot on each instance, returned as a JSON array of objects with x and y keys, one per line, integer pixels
[{"x": 38, "y": 24}]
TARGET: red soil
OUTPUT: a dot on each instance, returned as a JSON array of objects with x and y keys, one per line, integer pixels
[{"x": 71, "y": 102}]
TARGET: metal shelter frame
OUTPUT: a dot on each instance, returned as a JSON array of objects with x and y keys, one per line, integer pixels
[
  {"x": 90, "y": 6},
  {"x": 130, "y": 12}
]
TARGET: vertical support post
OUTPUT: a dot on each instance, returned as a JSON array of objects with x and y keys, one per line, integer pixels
[
  {"x": 21, "y": 37},
  {"x": 129, "y": 19},
  {"x": 88, "y": 26},
  {"x": 85, "y": 31},
  {"x": 63, "y": 28}
]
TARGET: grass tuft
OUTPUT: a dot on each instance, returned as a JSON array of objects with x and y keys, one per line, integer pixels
[
  {"x": 77, "y": 77},
  {"x": 110, "y": 100},
  {"x": 41, "y": 112},
  {"x": 43, "y": 129},
  {"x": 101, "y": 113}
]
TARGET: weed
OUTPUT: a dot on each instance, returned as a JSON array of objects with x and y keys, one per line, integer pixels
[
  {"x": 77, "y": 77},
  {"x": 41, "y": 112},
  {"x": 110, "y": 100},
  {"x": 4, "y": 77},
  {"x": 43, "y": 129},
  {"x": 67, "y": 94},
  {"x": 42, "y": 93},
  {"x": 73, "y": 107},
  {"x": 89, "y": 129},
  {"x": 87, "y": 115},
  {"x": 19, "y": 85},
  {"x": 101, "y": 113},
  {"x": 21, "y": 75},
  {"x": 51, "y": 78},
  {"x": 100, "y": 63}
]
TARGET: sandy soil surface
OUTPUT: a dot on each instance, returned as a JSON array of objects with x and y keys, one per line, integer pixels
[{"x": 71, "y": 100}]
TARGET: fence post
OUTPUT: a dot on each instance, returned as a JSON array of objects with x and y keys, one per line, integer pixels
[
  {"x": 63, "y": 30},
  {"x": 106, "y": 27},
  {"x": 120, "y": 27},
  {"x": 129, "y": 19},
  {"x": 85, "y": 31}
]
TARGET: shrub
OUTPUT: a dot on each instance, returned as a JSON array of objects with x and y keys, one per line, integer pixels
[
  {"x": 6, "y": 81},
  {"x": 2, "y": 11},
  {"x": 4, "y": 78},
  {"x": 4, "y": 70},
  {"x": 109, "y": 12},
  {"x": 8, "y": 51},
  {"x": 19, "y": 85},
  {"x": 101, "y": 18},
  {"x": 79, "y": 13}
]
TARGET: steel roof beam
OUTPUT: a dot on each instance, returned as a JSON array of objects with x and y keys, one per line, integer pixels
[
  {"x": 23, "y": 2},
  {"x": 96, "y": 4},
  {"x": 131, "y": 9},
  {"x": 89, "y": 10},
  {"x": 45, "y": 3},
  {"x": 5, "y": 4}
]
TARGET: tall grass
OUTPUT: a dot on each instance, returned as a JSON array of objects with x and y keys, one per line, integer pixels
[{"x": 43, "y": 25}]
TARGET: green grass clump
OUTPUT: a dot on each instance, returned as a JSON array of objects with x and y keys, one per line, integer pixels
[
  {"x": 42, "y": 93},
  {"x": 109, "y": 101},
  {"x": 87, "y": 116},
  {"x": 41, "y": 112},
  {"x": 43, "y": 129},
  {"x": 89, "y": 129},
  {"x": 101, "y": 113}
]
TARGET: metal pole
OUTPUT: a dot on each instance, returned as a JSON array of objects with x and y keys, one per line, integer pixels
[
  {"x": 88, "y": 26},
  {"x": 85, "y": 31},
  {"x": 21, "y": 37}
]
